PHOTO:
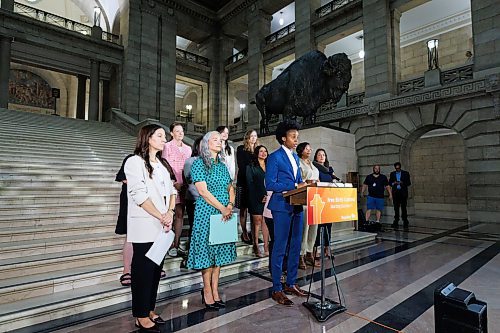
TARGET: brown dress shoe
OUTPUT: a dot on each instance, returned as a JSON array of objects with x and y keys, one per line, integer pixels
[
  {"x": 280, "y": 298},
  {"x": 311, "y": 261},
  {"x": 302, "y": 263},
  {"x": 295, "y": 290}
]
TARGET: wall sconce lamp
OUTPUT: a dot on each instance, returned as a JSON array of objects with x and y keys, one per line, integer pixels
[{"x": 432, "y": 54}]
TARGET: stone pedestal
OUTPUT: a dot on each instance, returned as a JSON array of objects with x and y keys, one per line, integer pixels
[{"x": 432, "y": 78}]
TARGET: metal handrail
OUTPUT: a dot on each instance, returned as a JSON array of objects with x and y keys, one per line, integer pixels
[
  {"x": 237, "y": 57},
  {"x": 182, "y": 54},
  {"x": 457, "y": 74},
  {"x": 280, "y": 33},
  {"x": 60, "y": 21},
  {"x": 331, "y": 7}
]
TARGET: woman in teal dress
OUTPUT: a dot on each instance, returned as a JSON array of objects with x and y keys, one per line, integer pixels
[{"x": 212, "y": 180}]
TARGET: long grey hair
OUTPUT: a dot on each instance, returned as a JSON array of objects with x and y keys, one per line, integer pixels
[{"x": 205, "y": 151}]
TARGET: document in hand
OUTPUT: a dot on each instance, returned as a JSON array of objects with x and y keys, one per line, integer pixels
[
  {"x": 222, "y": 232},
  {"x": 161, "y": 246}
]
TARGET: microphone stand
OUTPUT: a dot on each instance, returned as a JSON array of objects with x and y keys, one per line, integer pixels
[{"x": 326, "y": 308}]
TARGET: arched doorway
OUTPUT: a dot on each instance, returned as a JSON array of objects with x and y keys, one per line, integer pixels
[{"x": 436, "y": 161}]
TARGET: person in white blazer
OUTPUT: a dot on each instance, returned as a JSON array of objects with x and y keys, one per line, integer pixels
[
  {"x": 151, "y": 197},
  {"x": 228, "y": 151}
]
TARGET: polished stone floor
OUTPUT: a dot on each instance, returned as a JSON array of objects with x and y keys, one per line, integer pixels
[{"x": 387, "y": 286}]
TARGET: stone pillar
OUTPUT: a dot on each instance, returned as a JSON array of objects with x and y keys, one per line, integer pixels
[
  {"x": 485, "y": 32},
  {"x": 168, "y": 69},
  {"x": 381, "y": 48},
  {"x": 217, "y": 49},
  {"x": 106, "y": 103},
  {"x": 149, "y": 36},
  {"x": 80, "y": 97},
  {"x": 304, "y": 32},
  {"x": 5, "y": 46},
  {"x": 94, "y": 90},
  {"x": 259, "y": 26}
]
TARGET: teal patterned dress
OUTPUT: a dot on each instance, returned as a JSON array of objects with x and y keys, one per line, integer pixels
[{"x": 202, "y": 255}]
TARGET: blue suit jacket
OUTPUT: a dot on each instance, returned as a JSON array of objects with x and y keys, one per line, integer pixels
[{"x": 279, "y": 178}]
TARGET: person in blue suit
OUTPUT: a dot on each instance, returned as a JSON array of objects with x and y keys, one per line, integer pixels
[{"x": 283, "y": 174}]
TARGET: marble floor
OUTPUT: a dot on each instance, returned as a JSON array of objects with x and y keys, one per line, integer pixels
[{"x": 387, "y": 286}]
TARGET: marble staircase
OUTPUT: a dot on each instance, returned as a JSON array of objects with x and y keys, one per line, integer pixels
[{"x": 60, "y": 259}]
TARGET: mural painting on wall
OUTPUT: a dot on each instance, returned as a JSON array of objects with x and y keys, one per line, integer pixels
[{"x": 26, "y": 88}]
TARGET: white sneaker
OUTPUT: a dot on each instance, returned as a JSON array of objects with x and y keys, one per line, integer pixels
[{"x": 172, "y": 252}]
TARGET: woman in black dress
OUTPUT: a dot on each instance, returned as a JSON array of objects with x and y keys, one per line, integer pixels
[
  {"x": 326, "y": 174},
  {"x": 244, "y": 156},
  {"x": 256, "y": 195}
]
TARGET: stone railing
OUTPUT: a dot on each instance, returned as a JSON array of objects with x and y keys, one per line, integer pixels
[
  {"x": 458, "y": 74},
  {"x": 62, "y": 22},
  {"x": 331, "y": 7},
  {"x": 182, "y": 54},
  {"x": 355, "y": 99},
  {"x": 280, "y": 33},
  {"x": 411, "y": 85},
  {"x": 237, "y": 57}
]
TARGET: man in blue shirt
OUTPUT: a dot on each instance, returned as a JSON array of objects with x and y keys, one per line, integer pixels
[
  {"x": 376, "y": 184},
  {"x": 399, "y": 181}
]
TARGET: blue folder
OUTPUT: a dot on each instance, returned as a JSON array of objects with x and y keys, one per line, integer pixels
[{"x": 222, "y": 232}]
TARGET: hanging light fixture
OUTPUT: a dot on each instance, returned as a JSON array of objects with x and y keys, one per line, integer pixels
[
  {"x": 361, "y": 53},
  {"x": 281, "y": 20}
]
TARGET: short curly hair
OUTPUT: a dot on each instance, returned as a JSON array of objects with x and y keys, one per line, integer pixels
[{"x": 284, "y": 127}]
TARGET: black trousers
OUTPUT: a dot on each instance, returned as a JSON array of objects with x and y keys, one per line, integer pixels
[
  {"x": 145, "y": 280},
  {"x": 400, "y": 201}
]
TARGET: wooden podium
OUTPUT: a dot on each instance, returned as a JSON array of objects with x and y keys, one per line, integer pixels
[{"x": 325, "y": 308}]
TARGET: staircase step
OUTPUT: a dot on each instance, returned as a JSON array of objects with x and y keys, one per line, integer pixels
[
  {"x": 14, "y": 234},
  {"x": 73, "y": 190},
  {"x": 68, "y": 218},
  {"x": 57, "y": 244},
  {"x": 67, "y": 199},
  {"x": 20, "y": 211},
  {"x": 40, "y": 309}
]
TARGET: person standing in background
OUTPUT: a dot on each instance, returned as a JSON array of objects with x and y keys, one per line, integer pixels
[
  {"x": 176, "y": 153},
  {"x": 257, "y": 198},
  {"x": 327, "y": 175},
  {"x": 310, "y": 174},
  {"x": 399, "y": 181},
  {"x": 191, "y": 191},
  {"x": 244, "y": 156},
  {"x": 376, "y": 183},
  {"x": 228, "y": 151}
]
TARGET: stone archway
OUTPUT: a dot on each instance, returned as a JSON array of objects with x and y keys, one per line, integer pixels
[
  {"x": 386, "y": 137},
  {"x": 436, "y": 162}
]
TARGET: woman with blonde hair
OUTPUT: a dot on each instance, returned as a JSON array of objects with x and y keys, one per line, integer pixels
[{"x": 244, "y": 157}]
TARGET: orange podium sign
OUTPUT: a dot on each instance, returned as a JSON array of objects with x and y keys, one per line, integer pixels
[{"x": 331, "y": 204}]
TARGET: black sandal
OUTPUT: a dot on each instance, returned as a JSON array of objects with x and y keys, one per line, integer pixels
[{"x": 126, "y": 277}]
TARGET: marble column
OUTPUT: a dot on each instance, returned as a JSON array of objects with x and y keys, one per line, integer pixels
[
  {"x": 94, "y": 90},
  {"x": 5, "y": 46},
  {"x": 80, "y": 97},
  {"x": 485, "y": 31},
  {"x": 381, "y": 47},
  {"x": 259, "y": 26},
  {"x": 217, "y": 49},
  {"x": 304, "y": 31},
  {"x": 168, "y": 68}
]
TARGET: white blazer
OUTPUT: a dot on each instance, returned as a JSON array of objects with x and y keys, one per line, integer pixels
[
  {"x": 141, "y": 226},
  {"x": 231, "y": 163}
]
